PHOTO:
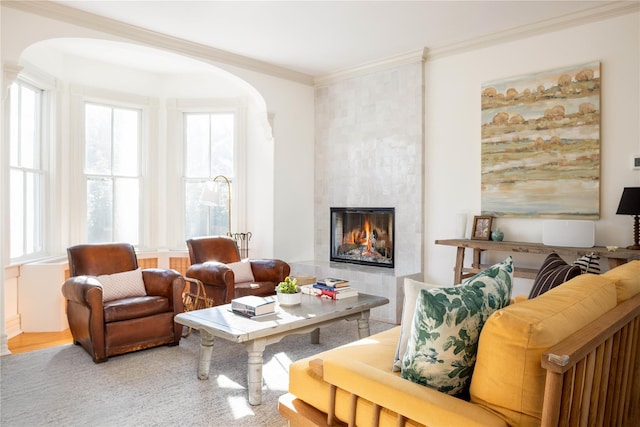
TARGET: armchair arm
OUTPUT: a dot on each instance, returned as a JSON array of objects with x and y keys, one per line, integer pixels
[
  {"x": 215, "y": 274},
  {"x": 413, "y": 401},
  {"x": 167, "y": 283},
  {"x": 84, "y": 290},
  {"x": 269, "y": 270}
]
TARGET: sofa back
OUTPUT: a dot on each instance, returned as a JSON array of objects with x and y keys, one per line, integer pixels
[{"x": 508, "y": 378}]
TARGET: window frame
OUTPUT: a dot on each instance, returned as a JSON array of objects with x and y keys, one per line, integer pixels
[
  {"x": 177, "y": 108},
  {"x": 45, "y": 220},
  {"x": 80, "y": 96}
]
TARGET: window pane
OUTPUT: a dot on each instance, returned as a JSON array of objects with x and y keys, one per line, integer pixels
[
  {"x": 195, "y": 213},
  {"x": 126, "y": 211},
  {"x": 99, "y": 209},
  {"x": 28, "y": 122},
  {"x": 14, "y": 121},
  {"x": 197, "y": 145},
  {"x": 125, "y": 142},
  {"x": 222, "y": 137},
  {"x": 33, "y": 206},
  {"x": 17, "y": 214},
  {"x": 97, "y": 139}
]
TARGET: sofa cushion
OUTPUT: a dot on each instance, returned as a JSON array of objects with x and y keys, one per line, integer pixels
[
  {"x": 375, "y": 351},
  {"x": 412, "y": 290},
  {"x": 508, "y": 377},
  {"x": 626, "y": 278},
  {"x": 441, "y": 349},
  {"x": 554, "y": 272},
  {"x": 122, "y": 285}
]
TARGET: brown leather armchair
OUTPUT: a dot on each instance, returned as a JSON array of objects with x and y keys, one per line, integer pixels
[
  {"x": 126, "y": 324},
  {"x": 209, "y": 256}
]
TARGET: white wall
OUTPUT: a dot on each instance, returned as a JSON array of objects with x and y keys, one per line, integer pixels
[{"x": 453, "y": 86}]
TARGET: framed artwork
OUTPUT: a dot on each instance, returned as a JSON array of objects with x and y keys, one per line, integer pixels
[
  {"x": 481, "y": 227},
  {"x": 541, "y": 144}
]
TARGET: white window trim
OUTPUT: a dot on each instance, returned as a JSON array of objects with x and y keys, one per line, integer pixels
[
  {"x": 175, "y": 154},
  {"x": 79, "y": 95},
  {"x": 49, "y": 97}
]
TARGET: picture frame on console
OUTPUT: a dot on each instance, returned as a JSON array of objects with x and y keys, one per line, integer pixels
[{"x": 481, "y": 227}]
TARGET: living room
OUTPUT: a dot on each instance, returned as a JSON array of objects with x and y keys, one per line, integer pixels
[
  {"x": 428, "y": 180},
  {"x": 427, "y": 165}
]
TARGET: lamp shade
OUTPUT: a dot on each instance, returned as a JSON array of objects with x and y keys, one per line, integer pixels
[
  {"x": 629, "y": 202},
  {"x": 210, "y": 194}
]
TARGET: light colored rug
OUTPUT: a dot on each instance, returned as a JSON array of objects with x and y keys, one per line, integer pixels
[{"x": 62, "y": 386}]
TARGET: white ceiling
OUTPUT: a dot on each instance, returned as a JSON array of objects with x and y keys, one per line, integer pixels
[{"x": 321, "y": 37}]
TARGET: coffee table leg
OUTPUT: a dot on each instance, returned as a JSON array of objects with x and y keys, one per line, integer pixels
[
  {"x": 363, "y": 325},
  {"x": 255, "y": 349},
  {"x": 204, "y": 360},
  {"x": 315, "y": 336}
]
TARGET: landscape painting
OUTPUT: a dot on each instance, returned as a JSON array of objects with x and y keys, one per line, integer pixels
[{"x": 541, "y": 144}]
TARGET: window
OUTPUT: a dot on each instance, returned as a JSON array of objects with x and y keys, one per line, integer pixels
[
  {"x": 112, "y": 173},
  {"x": 209, "y": 147},
  {"x": 27, "y": 174}
]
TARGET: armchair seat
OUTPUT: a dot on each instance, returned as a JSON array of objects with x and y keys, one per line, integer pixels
[
  {"x": 211, "y": 258},
  {"x": 133, "y": 308}
]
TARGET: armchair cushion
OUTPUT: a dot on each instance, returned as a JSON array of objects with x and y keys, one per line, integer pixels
[
  {"x": 122, "y": 285},
  {"x": 134, "y": 308},
  {"x": 241, "y": 271}
]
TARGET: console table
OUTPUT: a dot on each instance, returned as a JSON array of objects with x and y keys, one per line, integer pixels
[{"x": 615, "y": 258}]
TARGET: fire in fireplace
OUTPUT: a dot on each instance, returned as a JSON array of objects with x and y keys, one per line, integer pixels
[{"x": 363, "y": 236}]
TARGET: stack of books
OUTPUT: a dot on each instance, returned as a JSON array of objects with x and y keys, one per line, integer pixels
[
  {"x": 253, "y": 306},
  {"x": 330, "y": 288}
]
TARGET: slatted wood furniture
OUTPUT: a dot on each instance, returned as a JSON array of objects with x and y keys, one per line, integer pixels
[
  {"x": 615, "y": 258},
  {"x": 583, "y": 337}
]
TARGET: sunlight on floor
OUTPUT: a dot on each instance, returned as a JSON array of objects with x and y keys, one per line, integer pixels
[
  {"x": 239, "y": 407},
  {"x": 225, "y": 382},
  {"x": 275, "y": 372}
]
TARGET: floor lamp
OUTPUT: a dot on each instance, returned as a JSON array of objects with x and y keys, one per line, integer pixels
[{"x": 210, "y": 196}]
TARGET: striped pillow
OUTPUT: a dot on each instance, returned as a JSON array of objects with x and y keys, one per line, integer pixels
[
  {"x": 554, "y": 271},
  {"x": 588, "y": 263}
]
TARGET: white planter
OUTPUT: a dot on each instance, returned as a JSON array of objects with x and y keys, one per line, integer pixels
[{"x": 289, "y": 299}]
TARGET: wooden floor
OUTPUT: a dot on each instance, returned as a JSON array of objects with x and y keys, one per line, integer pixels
[{"x": 30, "y": 341}]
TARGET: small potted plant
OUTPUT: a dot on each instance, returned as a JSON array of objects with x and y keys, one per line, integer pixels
[{"x": 288, "y": 293}]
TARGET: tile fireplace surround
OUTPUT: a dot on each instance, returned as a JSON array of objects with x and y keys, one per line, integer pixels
[{"x": 369, "y": 152}]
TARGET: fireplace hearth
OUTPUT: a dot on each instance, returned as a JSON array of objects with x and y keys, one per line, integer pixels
[{"x": 363, "y": 236}]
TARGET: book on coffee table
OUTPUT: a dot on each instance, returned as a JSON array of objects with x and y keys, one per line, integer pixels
[
  {"x": 333, "y": 282},
  {"x": 252, "y": 305}
]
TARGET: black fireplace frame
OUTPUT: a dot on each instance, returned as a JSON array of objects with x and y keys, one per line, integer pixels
[{"x": 364, "y": 211}]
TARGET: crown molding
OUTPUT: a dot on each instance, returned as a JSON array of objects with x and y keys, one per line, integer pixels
[
  {"x": 597, "y": 13},
  {"x": 372, "y": 67},
  {"x": 209, "y": 54},
  {"x": 154, "y": 39}
]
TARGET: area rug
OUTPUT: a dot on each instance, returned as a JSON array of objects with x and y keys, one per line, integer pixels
[{"x": 61, "y": 386}]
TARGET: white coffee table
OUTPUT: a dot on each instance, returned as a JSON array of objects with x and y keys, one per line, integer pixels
[{"x": 256, "y": 334}]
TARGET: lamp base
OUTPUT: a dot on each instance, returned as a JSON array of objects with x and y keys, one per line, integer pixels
[{"x": 634, "y": 247}]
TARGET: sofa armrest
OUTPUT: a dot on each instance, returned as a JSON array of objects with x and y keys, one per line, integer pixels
[
  {"x": 413, "y": 401},
  {"x": 269, "y": 270}
]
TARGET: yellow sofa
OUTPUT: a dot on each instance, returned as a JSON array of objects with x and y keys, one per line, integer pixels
[{"x": 585, "y": 332}]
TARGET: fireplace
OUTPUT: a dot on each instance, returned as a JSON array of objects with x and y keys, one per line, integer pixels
[{"x": 363, "y": 236}]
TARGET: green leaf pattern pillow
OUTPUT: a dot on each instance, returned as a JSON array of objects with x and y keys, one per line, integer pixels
[{"x": 443, "y": 341}]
